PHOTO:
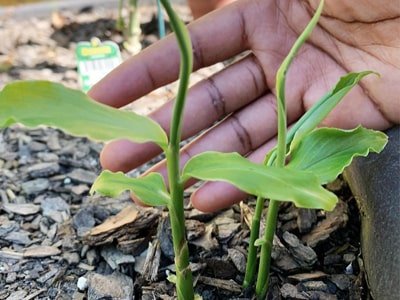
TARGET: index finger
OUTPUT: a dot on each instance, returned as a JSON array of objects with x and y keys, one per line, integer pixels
[{"x": 215, "y": 37}]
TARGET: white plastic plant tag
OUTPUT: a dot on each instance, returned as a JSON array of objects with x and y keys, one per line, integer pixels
[{"x": 96, "y": 59}]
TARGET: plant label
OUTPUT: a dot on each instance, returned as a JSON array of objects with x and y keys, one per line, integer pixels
[{"x": 95, "y": 59}]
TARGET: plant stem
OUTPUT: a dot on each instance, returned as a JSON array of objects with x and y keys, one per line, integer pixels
[
  {"x": 161, "y": 24},
  {"x": 133, "y": 33},
  {"x": 184, "y": 282},
  {"x": 120, "y": 21},
  {"x": 281, "y": 151},
  {"x": 266, "y": 250},
  {"x": 254, "y": 234}
]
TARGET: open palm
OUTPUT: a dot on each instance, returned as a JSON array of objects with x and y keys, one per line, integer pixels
[{"x": 351, "y": 36}]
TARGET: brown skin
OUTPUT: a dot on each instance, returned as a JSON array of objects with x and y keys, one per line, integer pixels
[
  {"x": 352, "y": 35},
  {"x": 200, "y": 8}
]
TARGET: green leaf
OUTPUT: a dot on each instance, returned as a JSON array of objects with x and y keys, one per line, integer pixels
[
  {"x": 150, "y": 189},
  {"x": 318, "y": 112},
  {"x": 300, "y": 187},
  {"x": 172, "y": 278},
  {"x": 327, "y": 151},
  {"x": 35, "y": 103}
]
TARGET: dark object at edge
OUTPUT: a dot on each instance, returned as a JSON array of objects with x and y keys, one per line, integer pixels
[{"x": 375, "y": 183}]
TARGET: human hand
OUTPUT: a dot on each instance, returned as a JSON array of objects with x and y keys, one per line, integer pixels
[{"x": 351, "y": 36}]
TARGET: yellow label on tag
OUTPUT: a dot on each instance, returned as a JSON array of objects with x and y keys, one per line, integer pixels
[{"x": 101, "y": 50}]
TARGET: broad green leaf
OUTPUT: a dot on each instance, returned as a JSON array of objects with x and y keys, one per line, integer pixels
[
  {"x": 283, "y": 184},
  {"x": 318, "y": 112},
  {"x": 327, "y": 151},
  {"x": 150, "y": 189},
  {"x": 35, "y": 103}
]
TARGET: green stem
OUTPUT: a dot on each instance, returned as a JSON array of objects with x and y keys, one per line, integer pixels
[
  {"x": 120, "y": 21},
  {"x": 133, "y": 32},
  {"x": 254, "y": 234},
  {"x": 184, "y": 282},
  {"x": 281, "y": 151},
  {"x": 266, "y": 250}
]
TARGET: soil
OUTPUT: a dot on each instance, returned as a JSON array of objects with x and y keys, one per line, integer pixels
[{"x": 57, "y": 242}]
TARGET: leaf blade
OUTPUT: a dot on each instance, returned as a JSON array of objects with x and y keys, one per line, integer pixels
[
  {"x": 318, "y": 112},
  {"x": 35, "y": 103},
  {"x": 333, "y": 150},
  {"x": 299, "y": 187},
  {"x": 150, "y": 189}
]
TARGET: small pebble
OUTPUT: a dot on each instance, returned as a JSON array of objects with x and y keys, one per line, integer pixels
[
  {"x": 349, "y": 257},
  {"x": 35, "y": 186},
  {"x": 92, "y": 257},
  {"x": 315, "y": 286},
  {"x": 349, "y": 269},
  {"x": 342, "y": 281},
  {"x": 82, "y": 283},
  {"x": 11, "y": 277},
  {"x": 71, "y": 257},
  {"x": 18, "y": 295},
  {"x": 289, "y": 291}
]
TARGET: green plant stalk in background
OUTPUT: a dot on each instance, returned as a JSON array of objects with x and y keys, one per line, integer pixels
[
  {"x": 120, "y": 24},
  {"x": 161, "y": 23},
  {"x": 273, "y": 208},
  {"x": 184, "y": 281},
  {"x": 133, "y": 31}
]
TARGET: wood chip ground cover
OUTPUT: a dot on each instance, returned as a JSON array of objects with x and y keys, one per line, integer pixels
[{"x": 59, "y": 243}]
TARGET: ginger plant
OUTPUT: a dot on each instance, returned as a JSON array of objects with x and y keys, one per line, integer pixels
[{"x": 35, "y": 103}]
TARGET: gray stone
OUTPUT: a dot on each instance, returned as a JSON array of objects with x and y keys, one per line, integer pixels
[
  {"x": 306, "y": 219},
  {"x": 35, "y": 186},
  {"x": 315, "y": 286},
  {"x": 305, "y": 255},
  {"x": 71, "y": 257},
  {"x": 238, "y": 259},
  {"x": 46, "y": 276},
  {"x": 92, "y": 257},
  {"x": 349, "y": 257},
  {"x": 321, "y": 295},
  {"x": 375, "y": 184},
  {"x": 82, "y": 176},
  {"x": 43, "y": 169},
  {"x": 114, "y": 257},
  {"x": 83, "y": 220},
  {"x": 56, "y": 208},
  {"x": 115, "y": 286},
  {"x": 36, "y": 146},
  {"x": 18, "y": 237},
  {"x": 341, "y": 281},
  {"x": 21, "y": 209},
  {"x": 47, "y": 156},
  {"x": 11, "y": 277},
  {"x": 289, "y": 291},
  {"x": 18, "y": 295},
  {"x": 7, "y": 227}
]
